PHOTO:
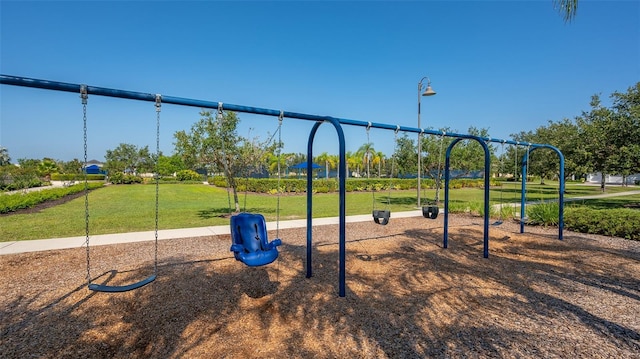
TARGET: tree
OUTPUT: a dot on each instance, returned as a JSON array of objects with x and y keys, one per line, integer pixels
[
  {"x": 214, "y": 142},
  {"x": 129, "y": 158},
  {"x": 405, "y": 156},
  {"x": 291, "y": 159},
  {"x": 468, "y": 156},
  {"x": 366, "y": 151},
  {"x": 566, "y": 8},
  {"x": 379, "y": 160},
  {"x": 47, "y": 167},
  {"x": 4, "y": 156},
  {"x": 27, "y": 174},
  {"x": 71, "y": 167},
  {"x": 433, "y": 158},
  {"x": 626, "y": 135},
  {"x": 353, "y": 160},
  {"x": 330, "y": 162},
  {"x": 433, "y": 155},
  {"x": 168, "y": 165},
  {"x": 597, "y": 127},
  {"x": 272, "y": 163}
]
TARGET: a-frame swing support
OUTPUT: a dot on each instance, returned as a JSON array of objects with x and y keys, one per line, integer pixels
[{"x": 336, "y": 122}]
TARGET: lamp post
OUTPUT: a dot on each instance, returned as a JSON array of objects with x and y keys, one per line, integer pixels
[{"x": 428, "y": 92}]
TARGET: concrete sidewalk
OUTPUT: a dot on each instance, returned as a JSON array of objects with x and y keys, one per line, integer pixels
[{"x": 105, "y": 239}]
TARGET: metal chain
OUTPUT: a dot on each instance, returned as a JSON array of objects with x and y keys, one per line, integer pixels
[
  {"x": 373, "y": 190},
  {"x": 280, "y": 118},
  {"x": 393, "y": 163},
  {"x": 220, "y": 119},
  {"x": 84, "y": 96},
  {"x": 157, "y": 175},
  {"x": 438, "y": 180}
]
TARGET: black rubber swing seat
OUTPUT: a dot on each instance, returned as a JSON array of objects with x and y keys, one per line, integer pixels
[
  {"x": 430, "y": 212},
  {"x": 381, "y": 216},
  {"x": 250, "y": 244},
  {"x": 121, "y": 288}
]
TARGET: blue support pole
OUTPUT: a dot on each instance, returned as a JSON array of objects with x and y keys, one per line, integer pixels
[
  {"x": 342, "y": 174},
  {"x": 487, "y": 182},
  {"x": 561, "y": 188},
  {"x": 523, "y": 190},
  {"x": 447, "y": 177}
]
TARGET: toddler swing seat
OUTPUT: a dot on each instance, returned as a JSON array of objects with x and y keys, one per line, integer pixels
[{"x": 250, "y": 244}]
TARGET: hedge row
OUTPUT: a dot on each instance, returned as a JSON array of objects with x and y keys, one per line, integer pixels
[
  {"x": 270, "y": 185},
  {"x": 75, "y": 177},
  {"x": 14, "y": 186},
  {"x": 621, "y": 222},
  {"x": 16, "y": 201}
]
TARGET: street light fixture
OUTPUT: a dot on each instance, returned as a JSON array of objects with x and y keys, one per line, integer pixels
[{"x": 428, "y": 92}]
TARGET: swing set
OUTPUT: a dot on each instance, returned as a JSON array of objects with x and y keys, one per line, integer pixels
[{"x": 249, "y": 238}]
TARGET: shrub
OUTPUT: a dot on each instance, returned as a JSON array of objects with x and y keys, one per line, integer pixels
[
  {"x": 543, "y": 214},
  {"x": 16, "y": 201},
  {"x": 75, "y": 177},
  {"x": 121, "y": 178},
  {"x": 188, "y": 175},
  {"x": 622, "y": 222},
  {"x": 267, "y": 185}
]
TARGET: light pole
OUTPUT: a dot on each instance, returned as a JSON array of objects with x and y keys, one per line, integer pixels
[{"x": 428, "y": 92}]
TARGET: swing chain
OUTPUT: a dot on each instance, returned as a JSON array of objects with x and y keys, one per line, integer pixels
[
  {"x": 393, "y": 162},
  {"x": 280, "y": 119},
  {"x": 220, "y": 118},
  {"x": 439, "y": 178},
  {"x": 84, "y": 96},
  {"x": 158, "y": 105}
]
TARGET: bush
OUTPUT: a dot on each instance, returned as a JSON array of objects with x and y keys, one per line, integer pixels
[
  {"x": 543, "y": 214},
  {"x": 75, "y": 177},
  {"x": 121, "y": 178},
  {"x": 323, "y": 185},
  {"x": 188, "y": 175},
  {"x": 622, "y": 222},
  {"x": 16, "y": 201}
]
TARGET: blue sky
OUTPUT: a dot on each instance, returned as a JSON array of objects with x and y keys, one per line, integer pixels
[{"x": 507, "y": 66}]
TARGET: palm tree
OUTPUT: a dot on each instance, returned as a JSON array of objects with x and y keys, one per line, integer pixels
[
  {"x": 566, "y": 8},
  {"x": 353, "y": 159},
  {"x": 378, "y": 159},
  {"x": 367, "y": 151},
  {"x": 4, "y": 156},
  {"x": 273, "y": 163},
  {"x": 329, "y": 162},
  {"x": 47, "y": 167}
]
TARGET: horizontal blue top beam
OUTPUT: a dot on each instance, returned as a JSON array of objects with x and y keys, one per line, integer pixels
[{"x": 103, "y": 91}]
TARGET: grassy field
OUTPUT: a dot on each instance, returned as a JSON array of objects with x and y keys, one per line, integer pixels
[{"x": 127, "y": 208}]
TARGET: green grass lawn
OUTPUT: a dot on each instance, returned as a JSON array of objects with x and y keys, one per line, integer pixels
[
  {"x": 129, "y": 208},
  {"x": 632, "y": 201}
]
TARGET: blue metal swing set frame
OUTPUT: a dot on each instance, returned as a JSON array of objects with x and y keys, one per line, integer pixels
[{"x": 267, "y": 251}]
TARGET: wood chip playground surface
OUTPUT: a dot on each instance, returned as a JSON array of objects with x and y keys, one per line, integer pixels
[{"x": 407, "y": 297}]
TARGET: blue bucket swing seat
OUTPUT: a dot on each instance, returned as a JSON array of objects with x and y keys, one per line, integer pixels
[{"x": 250, "y": 244}]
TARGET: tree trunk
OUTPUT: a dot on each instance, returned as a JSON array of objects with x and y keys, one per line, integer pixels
[
  {"x": 235, "y": 199},
  {"x": 602, "y": 182}
]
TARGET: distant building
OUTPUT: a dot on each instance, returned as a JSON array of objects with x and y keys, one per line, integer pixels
[{"x": 613, "y": 179}]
